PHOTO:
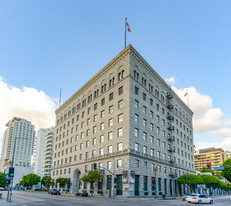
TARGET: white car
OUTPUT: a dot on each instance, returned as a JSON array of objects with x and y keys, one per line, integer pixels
[{"x": 197, "y": 198}]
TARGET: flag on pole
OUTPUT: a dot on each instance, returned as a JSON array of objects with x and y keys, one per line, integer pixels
[{"x": 127, "y": 25}]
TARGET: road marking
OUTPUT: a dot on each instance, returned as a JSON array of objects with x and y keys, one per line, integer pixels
[{"x": 72, "y": 198}]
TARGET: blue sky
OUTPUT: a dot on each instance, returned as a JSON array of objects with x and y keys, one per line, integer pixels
[{"x": 51, "y": 44}]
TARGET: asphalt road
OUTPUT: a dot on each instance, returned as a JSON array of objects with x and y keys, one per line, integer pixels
[{"x": 26, "y": 198}]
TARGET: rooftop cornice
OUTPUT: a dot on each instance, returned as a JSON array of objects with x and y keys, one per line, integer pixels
[
  {"x": 159, "y": 78},
  {"x": 113, "y": 62}
]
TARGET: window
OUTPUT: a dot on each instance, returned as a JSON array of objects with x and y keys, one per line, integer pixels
[
  {"x": 136, "y": 146},
  {"x": 110, "y": 149},
  {"x": 120, "y": 117},
  {"x": 86, "y": 155},
  {"x": 102, "y": 101},
  {"x": 136, "y": 118},
  {"x": 152, "y": 152},
  {"x": 120, "y": 132},
  {"x": 158, "y": 130},
  {"x": 158, "y": 154},
  {"x": 111, "y": 109},
  {"x": 101, "y": 139},
  {"x": 95, "y": 106},
  {"x": 120, "y": 75},
  {"x": 111, "y": 82},
  {"x": 119, "y": 163},
  {"x": 136, "y": 104},
  {"x": 80, "y": 157},
  {"x": 145, "y": 165},
  {"x": 95, "y": 118},
  {"x": 111, "y": 96},
  {"x": 94, "y": 129},
  {"x": 101, "y": 151},
  {"x": 120, "y": 104},
  {"x": 144, "y": 136},
  {"x": 87, "y": 143},
  {"x": 110, "y": 136},
  {"x": 144, "y": 149},
  {"x": 94, "y": 141},
  {"x": 120, "y": 90},
  {"x": 102, "y": 126},
  {"x": 93, "y": 153},
  {"x": 81, "y": 146},
  {"x": 88, "y": 132},
  {"x": 109, "y": 165},
  {"x": 151, "y": 114},
  {"x": 152, "y": 139},
  {"x": 151, "y": 126},
  {"x": 163, "y": 122},
  {"x": 144, "y": 109},
  {"x": 102, "y": 113},
  {"x": 136, "y": 132},
  {"x": 157, "y": 107},
  {"x": 144, "y": 96},
  {"x": 88, "y": 121},
  {"x": 158, "y": 142},
  {"x": 157, "y": 118},
  {"x": 136, "y": 90},
  {"x": 144, "y": 122},
  {"x": 110, "y": 122},
  {"x": 137, "y": 163},
  {"x": 119, "y": 146}
]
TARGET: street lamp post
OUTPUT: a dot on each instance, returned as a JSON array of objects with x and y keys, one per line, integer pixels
[{"x": 9, "y": 194}]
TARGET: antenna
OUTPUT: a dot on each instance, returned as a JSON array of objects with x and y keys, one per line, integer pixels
[{"x": 60, "y": 97}]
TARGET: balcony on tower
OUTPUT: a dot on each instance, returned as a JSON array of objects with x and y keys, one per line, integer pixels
[
  {"x": 170, "y": 106},
  {"x": 172, "y": 160},
  {"x": 170, "y": 128},
  {"x": 169, "y": 95},
  {"x": 170, "y": 117},
  {"x": 171, "y": 149},
  {"x": 171, "y": 138}
]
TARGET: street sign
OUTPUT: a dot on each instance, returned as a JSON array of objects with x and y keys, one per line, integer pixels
[
  {"x": 218, "y": 168},
  {"x": 102, "y": 170}
]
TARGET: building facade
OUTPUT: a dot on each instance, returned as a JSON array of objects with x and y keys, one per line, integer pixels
[
  {"x": 216, "y": 156},
  {"x": 21, "y": 132},
  {"x": 44, "y": 152},
  {"x": 128, "y": 120}
]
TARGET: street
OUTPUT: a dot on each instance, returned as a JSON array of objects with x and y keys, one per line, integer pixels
[{"x": 25, "y": 198}]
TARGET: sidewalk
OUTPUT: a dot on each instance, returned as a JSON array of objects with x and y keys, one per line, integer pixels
[{"x": 5, "y": 203}]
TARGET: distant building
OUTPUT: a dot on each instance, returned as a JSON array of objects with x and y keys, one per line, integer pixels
[
  {"x": 228, "y": 154},
  {"x": 126, "y": 118},
  {"x": 19, "y": 135},
  {"x": 24, "y": 133},
  {"x": 44, "y": 152},
  {"x": 215, "y": 156}
]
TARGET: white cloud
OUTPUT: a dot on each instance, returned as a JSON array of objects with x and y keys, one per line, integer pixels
[
  {"x": 225, "y": 144},
  {"x": 206, "y": 118},
  {"x": 170, "y": 80},
  {"x": 28, "y": 103}
]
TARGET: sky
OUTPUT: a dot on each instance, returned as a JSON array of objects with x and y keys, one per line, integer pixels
[{"x": 48, "y": 45}]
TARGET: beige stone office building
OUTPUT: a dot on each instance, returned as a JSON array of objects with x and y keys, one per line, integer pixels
[
  {"x": 128, "y": 119},
  {"x": 216, "y": 156}
]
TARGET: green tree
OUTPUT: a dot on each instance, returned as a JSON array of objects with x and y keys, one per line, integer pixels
[
  {"x": 190, "y": 179},
  {"x": 211, "y": 181},
  {"x": 3, "y": 180},
  {"x": 62, "y": 182},
  {"x": 47, "y": 181},
  {"x": 30, "y": 180},
  {"x": 92, "y": 176},
  {"x": 226, "y": 172},
  {"x": 204, "y": 169}
]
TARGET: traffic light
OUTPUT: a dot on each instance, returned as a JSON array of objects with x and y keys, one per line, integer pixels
[
  {"x": 153, "y": 183},
  {"x": 94, "y": 166},
  {"x": 115, "y": 180},
  {"x": 209, "y": 165},
  {"x": 11, "y": 171}
]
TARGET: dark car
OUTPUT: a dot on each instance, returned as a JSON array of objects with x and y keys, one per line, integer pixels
[
  {"x": 55, "y": 192},
  {"x": 84, "y": 193}
]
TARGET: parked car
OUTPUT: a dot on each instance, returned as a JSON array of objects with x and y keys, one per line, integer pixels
[
  {"x": 2, "y": 189},
  {"x": 197, "y": 198},
  {"x": 84, "y": 193},
  {"x": 185, "y": 195},
  {"x": 55, "y": 192}
]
